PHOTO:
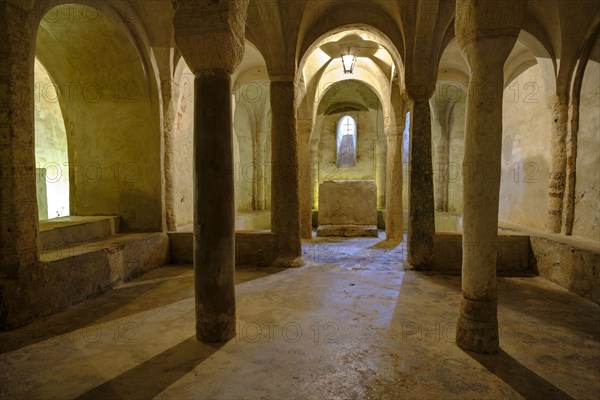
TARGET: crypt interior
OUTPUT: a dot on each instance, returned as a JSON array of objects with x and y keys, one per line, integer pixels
[{"x": 299, "y": 199}]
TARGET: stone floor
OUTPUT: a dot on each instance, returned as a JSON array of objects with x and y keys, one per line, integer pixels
[{"x": 352, "y": 324}]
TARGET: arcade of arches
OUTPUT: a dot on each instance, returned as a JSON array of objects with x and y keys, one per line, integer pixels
[{"x": 161, "y": 167}]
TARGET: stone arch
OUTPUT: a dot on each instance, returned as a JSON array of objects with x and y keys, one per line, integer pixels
[
  {"x": 313, "y": 89},
  {"x": 362, "y": 15},
  {"x": 109, "y": 175}
]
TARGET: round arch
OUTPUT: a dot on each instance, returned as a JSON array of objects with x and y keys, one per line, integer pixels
[{"x": 96, "y": 88}]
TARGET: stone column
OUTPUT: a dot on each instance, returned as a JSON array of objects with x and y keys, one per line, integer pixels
[
  {"x": 380, "y": 168},
  {"x": 18, "y": 202},
  {"x": 259, "y": 170},
  {"x": 486, "y": 43},
  {"x": 170, "y": 96},
  {"x": 304, "y": 127},
  {"x": 285, "y": 191},
  {"x": 316, "y": 169},
  {"x": 394, "y": 229},
  {"x": 442, "y": 115},
  {"x": 421, "y": 223},
  {"x": 210, "y": 38},
  {"x": 559, "y": 105},
  {"x": 571, "y": 144},
  {"x": 214, "y": 214}
]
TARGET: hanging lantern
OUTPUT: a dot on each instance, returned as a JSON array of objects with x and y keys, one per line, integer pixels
[{"x": 348, "y": 62}]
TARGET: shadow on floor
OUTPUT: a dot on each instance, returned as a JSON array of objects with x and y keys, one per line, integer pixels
[
  {"x": 108, "y": 306},
  {"x": 157, "y": 288},
  {"x": 539, "y": 300},
  {"x": 526, "y": 382},
  {"x": 152, "y": 377},
  {"x": 388, "y": 245}
]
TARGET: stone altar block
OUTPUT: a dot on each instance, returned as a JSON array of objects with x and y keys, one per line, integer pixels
[{"x": 347, "y": 208}]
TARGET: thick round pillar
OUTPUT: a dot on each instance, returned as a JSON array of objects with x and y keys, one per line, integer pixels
[
  {"x": 559, "y": 106},
  {"x": 477, "y": 328},
  {"x": 285, "y": 193},
  {"x": 421, "y": 223},
  {"x": 486, "y": 43},
  {"x": 394, "y": 229},
  {"x": 214, "y": 218}
]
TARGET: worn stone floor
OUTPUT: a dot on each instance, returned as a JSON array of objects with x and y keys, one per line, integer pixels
[{"x": 352, "y": 324}]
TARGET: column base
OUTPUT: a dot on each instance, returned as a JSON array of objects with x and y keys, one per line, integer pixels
[
  {"x": 419, "y": 250},
  {"x": 420, "y": 265},
  {"x": 291, "y": 262},
  {"x": 476, "y": 336},
  {"x": 477, "y": 328},
  {"x": 218, "y": 331}
]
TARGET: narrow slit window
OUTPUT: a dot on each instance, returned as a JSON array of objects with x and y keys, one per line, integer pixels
[{"x": 346, "y": 142}]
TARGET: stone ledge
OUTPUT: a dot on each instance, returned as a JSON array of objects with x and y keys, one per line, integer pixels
[
  {"x": 70, "y": 275},
  {"x": 251, "y": 247},
  {"x": 348, "y": 230},
  {"x": 570, "y": 262},
  {"x": 67, "y": 231},
  {"x": 513, "y": 252}
]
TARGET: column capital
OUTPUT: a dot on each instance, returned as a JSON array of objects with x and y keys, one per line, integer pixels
[
  {"x": 418, "y": 91},
  {"x": 282, "y": 78},
  {"x": 480, "y": 22},
  {"x": 393, "y": 130},
  {"x": 304, "y": 125},
  {"x": 209, "y": 34}
]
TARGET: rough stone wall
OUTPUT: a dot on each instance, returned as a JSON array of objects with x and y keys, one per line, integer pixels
[
  {"x": 587, "y": 189},
  {"x": 525, "y": 151}
]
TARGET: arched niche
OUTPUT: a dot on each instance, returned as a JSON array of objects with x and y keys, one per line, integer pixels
[
  {"x": 251, "y": 122},
  {"x": 529, "y": 79},
  {"x": 111, "y": 110},
  {"x": 357, "y": 100}
]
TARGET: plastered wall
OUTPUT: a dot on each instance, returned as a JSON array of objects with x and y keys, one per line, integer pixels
[
  {"x": 526, "y": 136},
  {"x": 587, "y": 189},
  {"x": 183, "y": 138}
]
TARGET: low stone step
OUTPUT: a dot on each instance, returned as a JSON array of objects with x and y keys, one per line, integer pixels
[
  {"x": 67, "y": 231},
  {"x": 75, "y": 273}
]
